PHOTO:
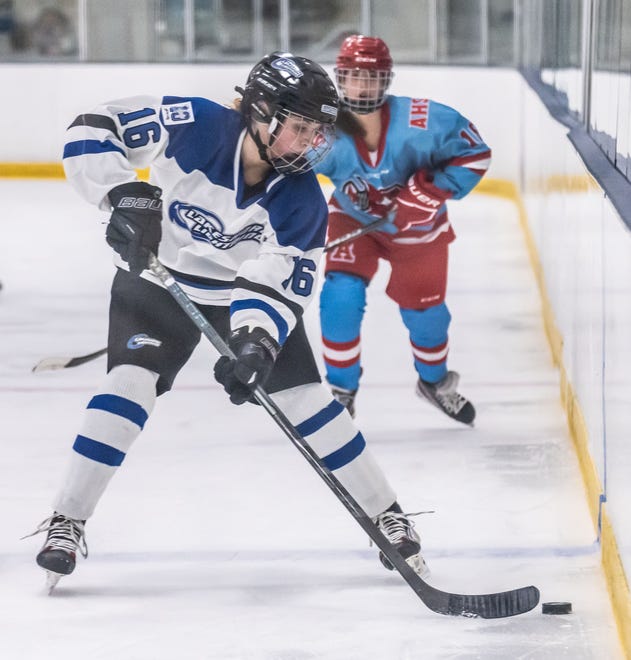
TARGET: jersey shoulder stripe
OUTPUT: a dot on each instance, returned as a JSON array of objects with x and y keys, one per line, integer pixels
[
  {"x": 81, "y": 147},
  {"x": 96, "y": 121}
]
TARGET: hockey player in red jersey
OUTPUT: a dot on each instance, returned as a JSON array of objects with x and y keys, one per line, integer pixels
[
  {"x": 401, "y": 159},
  {"x": 234, "y": 211}
]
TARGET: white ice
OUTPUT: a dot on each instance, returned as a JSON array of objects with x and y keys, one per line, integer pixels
[{"x": 217, "y": 540}]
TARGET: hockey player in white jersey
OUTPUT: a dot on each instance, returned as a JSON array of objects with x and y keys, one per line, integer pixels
[{"x": 235, "y": 212}]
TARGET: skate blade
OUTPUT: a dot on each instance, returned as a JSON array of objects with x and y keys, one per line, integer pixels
[{"x": 51, "y": 581}]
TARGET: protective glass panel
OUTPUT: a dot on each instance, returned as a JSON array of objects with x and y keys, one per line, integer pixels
[
  {"x": 169, "y": 30},
  {"x": 623, "y": 142},
  {"x": 530, "y": 38},
  {"x": 565, "y": 56},
  {"x": 38, "y": 30},
  {"x": 604, "y": 98},
  {"x": 460, "y": 33},
  {"x": 501, "y": 32},
  {"x": 122, "y": 31},
  {"x": 316, "y": 29},
  {"x": 224, "y": 30},
  {"x": 407, "y": 26}
]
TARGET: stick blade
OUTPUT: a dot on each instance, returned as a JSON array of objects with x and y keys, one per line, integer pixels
[
  {"x": 51, "y": 364},
  {"x": 494, "y": 606},
  {"x": 56, "y": 363}
]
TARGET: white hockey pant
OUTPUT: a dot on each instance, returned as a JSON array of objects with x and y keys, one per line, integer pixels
[
  {"x": 113, "y": 419},
  {"x": 330, "y": 431}
]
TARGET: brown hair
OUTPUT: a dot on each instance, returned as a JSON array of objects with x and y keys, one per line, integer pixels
[{"x": 348, "y": 123}]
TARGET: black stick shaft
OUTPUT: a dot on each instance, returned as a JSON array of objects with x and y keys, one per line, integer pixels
[
  {"x": 356, "y": 233},
  {"x": 489, "y": 606}
]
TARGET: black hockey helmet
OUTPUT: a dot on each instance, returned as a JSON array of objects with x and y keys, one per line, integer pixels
[
  {"x": 282, "y": 84},
  {"x": 284, "y": 81}
]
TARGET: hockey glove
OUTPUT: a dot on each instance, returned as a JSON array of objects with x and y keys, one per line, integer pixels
[
  {"x": 418, "y": 202},
  {"x": 135, "y": 227},
  {"x": 255, "y": 353}
]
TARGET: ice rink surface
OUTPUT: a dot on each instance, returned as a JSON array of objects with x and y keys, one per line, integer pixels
[{"x": 217, "y": 540}]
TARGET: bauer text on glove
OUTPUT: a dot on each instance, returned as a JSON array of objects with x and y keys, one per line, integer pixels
[
  {"x": 135, "y": 227},
  {"x": 255, "y": 353},
  {"x": 418, "y": 202}
]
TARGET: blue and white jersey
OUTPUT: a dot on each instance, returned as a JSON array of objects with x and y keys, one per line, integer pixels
[
  {"x": 416, "y": 134},
  {"x": 256, "y": 252}
]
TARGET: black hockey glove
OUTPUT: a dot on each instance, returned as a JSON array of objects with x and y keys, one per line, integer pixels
[
  {"x": 255, "y": 353},
  {"x": 135, "y": 227}
]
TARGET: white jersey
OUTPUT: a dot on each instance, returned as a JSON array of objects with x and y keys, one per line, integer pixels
[{"x": 255, "y": 249}]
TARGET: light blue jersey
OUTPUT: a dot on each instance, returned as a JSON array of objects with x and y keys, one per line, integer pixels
[{"x": 416, "y": 134}]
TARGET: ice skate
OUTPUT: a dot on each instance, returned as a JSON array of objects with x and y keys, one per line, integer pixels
[
  {"x": 58, "y": 556},
  {"x": 399, "y": 530},
  {"x": 443, "y": 395},
  {"x": 345, "y": 397}
]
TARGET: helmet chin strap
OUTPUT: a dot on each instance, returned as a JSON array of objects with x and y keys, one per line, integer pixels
[
  {"x": 260, "y": 145},
  {"x": 263, "y": 117},
  {"x": 263, "y": 148}
]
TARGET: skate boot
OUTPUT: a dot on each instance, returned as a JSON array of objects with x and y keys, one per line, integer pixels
[
  {"x": 345, "y": 397},
  {"x": 399, "y": 530},
  {"x": 58, "y": 556},
  {"x": 443, "y": 395}
]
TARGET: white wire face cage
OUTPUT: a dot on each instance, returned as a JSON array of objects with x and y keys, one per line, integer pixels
[
  {"x": 296, "y": 142},
  {"x": 363, "y": 90}
]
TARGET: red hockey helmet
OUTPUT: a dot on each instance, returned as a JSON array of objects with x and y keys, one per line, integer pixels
[{"x": 363, "y": 70}]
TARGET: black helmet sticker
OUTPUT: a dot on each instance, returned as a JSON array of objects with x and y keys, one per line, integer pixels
[{"x": 288, "y": 68}]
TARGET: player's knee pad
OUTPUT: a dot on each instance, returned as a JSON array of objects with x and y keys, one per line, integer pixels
[
  {"x": 342, "y": 305},
  {"x": 427, "y": 326}
]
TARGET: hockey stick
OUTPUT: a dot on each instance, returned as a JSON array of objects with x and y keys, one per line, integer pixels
[
  {"x": 488, "y": 606},
  {"x": 356, "y": 233},
  {"x": 54, "y": 363}
]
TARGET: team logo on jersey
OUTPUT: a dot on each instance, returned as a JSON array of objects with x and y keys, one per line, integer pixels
[
  {"x": 344, "y": 253},
  {"x": 178, "y": 113},
  {"x": 369, "y": 199},
  {"x": 419, "y": 113},
  {"x": 142, "y": 339},
  {"x": 205, "y": 226}
]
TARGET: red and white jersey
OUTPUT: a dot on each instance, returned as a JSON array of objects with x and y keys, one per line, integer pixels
[{"x": 417, "y": 134}]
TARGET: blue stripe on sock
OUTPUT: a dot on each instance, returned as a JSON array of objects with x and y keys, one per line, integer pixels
[
  {"x": 97, "y": 451},
  {"x": 117, "y": 405},
  {"x": 344, "y": 455},
  {"x": 320, "y": 419}
]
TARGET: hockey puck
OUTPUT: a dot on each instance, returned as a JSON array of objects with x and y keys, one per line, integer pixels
[{"x": 556, "y": 608}]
